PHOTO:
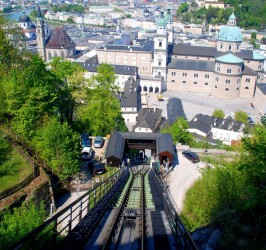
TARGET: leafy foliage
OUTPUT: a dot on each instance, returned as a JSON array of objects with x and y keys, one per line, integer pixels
[
  {"x": 241, "y": 116},
  {"x": 68, "y": 8},
  {"x": 184, "y": 7},
  {"x": 233, "y": 193},
  {"x": 59, "y": 146},
  {"x": 179, "y": 131},
  {"x": 103, "y": 109},
  {"x": 4, "y": 149},
  {"x": 219, "y": 113},
  {"x": 14, "y": 225}
]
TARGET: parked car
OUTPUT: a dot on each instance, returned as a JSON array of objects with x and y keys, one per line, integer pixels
[
  {"x": 86, "y": 153},
  {"x": 85, "y": 140},
  {"x": 192, "y": 156},
  {"x": 250, "y": 120},
  {"x": 98, "y": 168},
  {"x": 98, "y": 142}
]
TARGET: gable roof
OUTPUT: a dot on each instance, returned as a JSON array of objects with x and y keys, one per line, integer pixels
[
  {"x": 197, "y": 65},
  {"x": 174, "y": 110},
  {"x": 187, "y": 49},
  {"x": 59, "y": 39},
  {"x": 149, "y": 118},
  {"x": 116, "y": 144},
  {"x": 202, "y": 123},
  {"x": 129, "y": 97}
]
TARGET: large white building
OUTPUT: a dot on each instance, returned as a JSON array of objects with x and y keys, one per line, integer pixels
[{"x": 225, "y": 71}]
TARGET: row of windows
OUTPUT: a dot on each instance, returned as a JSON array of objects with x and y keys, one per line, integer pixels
[
  {"x": 195, "y": 75},
  {"x": 227, "y": 89},
  {"x": 193, "y": 82},
  {"x": 228, "y": 71}
]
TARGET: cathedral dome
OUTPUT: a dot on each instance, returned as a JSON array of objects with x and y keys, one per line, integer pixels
[
  {"x": 161, "y": 21},
  {"x": 230, "y": 32},
  {"x": 24, "y": 18}
]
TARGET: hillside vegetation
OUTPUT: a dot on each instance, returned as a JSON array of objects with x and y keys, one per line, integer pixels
[{"x": 232, "y": 197}]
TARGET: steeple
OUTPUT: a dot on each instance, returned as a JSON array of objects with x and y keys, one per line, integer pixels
[
  {"x": 40, "y": 34},
  {"x": 232, "y": 20},
  {"x": 39, "y": 13}
]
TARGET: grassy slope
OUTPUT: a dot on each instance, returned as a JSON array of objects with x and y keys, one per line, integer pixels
[{"x": 14, "y": 170}]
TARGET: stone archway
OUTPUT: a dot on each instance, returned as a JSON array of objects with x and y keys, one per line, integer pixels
[
  {"x": 150, "y": 89},
  {"x": 145, "y": 89},
  {"x": 156, "y": 90}
]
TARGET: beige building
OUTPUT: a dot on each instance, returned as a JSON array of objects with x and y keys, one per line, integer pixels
[
  {"x": 58, "y": 43},
  {"x": 225, "y": 71}
]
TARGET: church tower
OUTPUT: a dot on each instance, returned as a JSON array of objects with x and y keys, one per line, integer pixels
[
  {"x": 169, "y": 26},
  {"x": 160, "y": 48},
  {"x": 40, "y": 34}
]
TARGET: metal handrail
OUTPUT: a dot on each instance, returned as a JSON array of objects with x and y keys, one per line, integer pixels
[{"x": 32, "y": 235}]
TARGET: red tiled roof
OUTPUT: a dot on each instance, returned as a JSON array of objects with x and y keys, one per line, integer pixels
[{"x": 59, "y": 39}]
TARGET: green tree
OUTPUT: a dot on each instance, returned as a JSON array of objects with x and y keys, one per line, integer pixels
[
  {"x": 241, "y": 116},
  {"x": 73, "y": 87},
  {"x": 184, "y": 7},
  {"x": 103, "y": 108},
  {"x": 70, "y": 20},
  {"x": 219, "y": 113},
  {"x": 59, "y": 145},
  {"x": 5, "y": 149},
  {"x": 179, "y": 131},
  {"x": 263, "y": 120},
  {"x": 15, "y": 225}
]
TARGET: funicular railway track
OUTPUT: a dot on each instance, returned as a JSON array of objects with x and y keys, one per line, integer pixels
[{"x": 133, "y": 216}]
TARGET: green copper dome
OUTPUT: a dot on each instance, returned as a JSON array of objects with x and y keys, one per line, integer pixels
[
  {"x": 230, "y": 32},
  {"x": 161, "y": 21},
  {"x": 169, "y": 17},
  {"x": 229, "y": 58}
]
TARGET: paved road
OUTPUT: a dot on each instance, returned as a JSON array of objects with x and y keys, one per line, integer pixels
[
  {"x": 201, "y": 103},
  {"x": 182, "y": 177}
]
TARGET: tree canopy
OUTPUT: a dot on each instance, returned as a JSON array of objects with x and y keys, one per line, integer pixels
[
  {"x": 179, "y": 131},
  {"x": 241, "y": 116},
  {"x": 219, "y": 113}
]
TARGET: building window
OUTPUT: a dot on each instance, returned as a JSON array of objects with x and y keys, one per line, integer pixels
[
  {"x": 221, "y": 46},
  {"x": 197, "y": 58},
  {"x": 216, "y": 79},
  {"x": 184, "y": 82},
  {"x": 227, "y": 81},
  {"x": 159, "y": 73},
  {"x": 247, "y": 79},
  {"x": 246, "y": 87},
  {"x": 195, "y": 83},
  {"x": 159, "y": 63},
  {"x": 218, "y": 69},
  {"x": 207, "y": 76},
  {"x": 259, "y": 67},
  {"x": 160, "y": 44},
  {"x": 173, "y": 73},
  {"x": 215, "y": 86},
  {"x": 229, "y": 47},
  {"x": 173, "y": 81},
  {"x": 184, "y": 74},
  {"x": 229, "y": 71},
  {"x": 248, "y": 61},
  {"x": 227, "y": 89},
  {"x": 206, "y": 83},
  {"x": 238, "y": 80},
  {"x": 196, "y": 75},
  {"x": 237, "y": 88}
]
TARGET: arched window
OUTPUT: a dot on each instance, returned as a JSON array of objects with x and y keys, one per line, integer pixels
[
  {"x": 160, "y": 44},
  {"x": 55, "y": 54},
  {"x": 229, "y": 47},
  {"x": 227, "y": 89},
  {"x": 184, "y": 82},
  {"x": 62, "y": 54},
  {"x": 215, "y": 86},
  {"x": 246, "y": 87},
  {"x": 49, "y": 55},
  {"x": 206, "y": 83},
  {"x": 195, "y": 83}
]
